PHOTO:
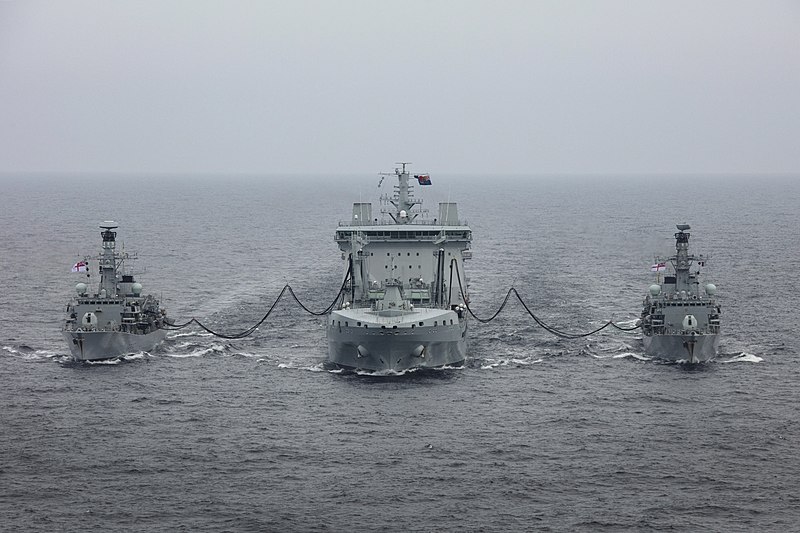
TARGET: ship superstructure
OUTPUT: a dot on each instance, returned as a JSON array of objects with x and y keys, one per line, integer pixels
[
  {"x": 403, "y": 308},
  {"x": 113, "y": 317},
  {"x": 681, "y": 322}
]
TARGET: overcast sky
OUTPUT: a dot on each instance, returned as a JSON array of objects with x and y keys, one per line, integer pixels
[{"x": 352, "y": 86}]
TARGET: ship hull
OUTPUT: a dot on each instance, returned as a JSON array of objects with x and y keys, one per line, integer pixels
[
  {"x": 99, "y": 345},
  {"x": 682, "y": 348},
  {"x": 396, "y": 348}
]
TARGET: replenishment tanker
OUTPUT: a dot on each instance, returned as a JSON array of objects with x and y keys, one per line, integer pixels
[
  {"x": 112, "y": 318},
  {"x": 403, "y": 308},
  {"x": 679, "y": 321}
]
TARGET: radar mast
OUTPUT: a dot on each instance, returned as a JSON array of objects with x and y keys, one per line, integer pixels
[{"x": 403, "y": 199}]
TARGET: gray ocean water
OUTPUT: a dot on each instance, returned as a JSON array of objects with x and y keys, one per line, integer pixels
[{"x": 535, "y": 433}]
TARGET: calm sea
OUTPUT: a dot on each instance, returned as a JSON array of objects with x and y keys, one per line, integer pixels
[{"x": 535, "y": 433}]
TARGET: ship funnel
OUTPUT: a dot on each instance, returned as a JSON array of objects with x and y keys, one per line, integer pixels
[{"x": 448, "y": 213}]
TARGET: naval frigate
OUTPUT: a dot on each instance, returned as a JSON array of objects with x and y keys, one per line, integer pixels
[
  {"x": 679, "y": 321},
  {"x": 403, "y": 307},
  {"x": 113, "y": 318}
]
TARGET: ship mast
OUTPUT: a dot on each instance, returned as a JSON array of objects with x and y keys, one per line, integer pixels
[
  {"x": 108, "y": 259},
  {"x": 402, "y": 200},
  {"x": 682, "y": 260}
]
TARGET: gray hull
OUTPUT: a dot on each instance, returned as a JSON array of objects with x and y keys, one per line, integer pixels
[
  {"x": 384, "y": 350},
  {"x": 99, "y": 345},
  {"x": 682, "y": 348}
]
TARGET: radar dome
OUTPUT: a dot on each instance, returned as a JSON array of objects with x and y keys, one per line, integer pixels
[
  {"x": 403, "y": 213},
  {"x": 655, "y": 289},
  {"x": 80, "y": 288},
  {"x": 711, "y": 289},
  {"x": 136, "y": 289}
]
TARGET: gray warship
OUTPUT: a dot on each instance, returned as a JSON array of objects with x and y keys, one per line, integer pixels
[
  {"x": 680, "y": 323},
  {"x": 403, "y": 308},
  {"x": 115, "y": 319}
]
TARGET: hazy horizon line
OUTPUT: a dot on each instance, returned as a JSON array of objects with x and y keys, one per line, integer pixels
[{"x": 126, "y": 173}]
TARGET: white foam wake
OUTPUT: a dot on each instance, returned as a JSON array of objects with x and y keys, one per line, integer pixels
[
  {"x": 744, "y": 357},
  {"x": 118, "y": 360},
  {"x": 215, "y": 348},
  {"x": 32, "y": 354},
  {"x": 506, "y": 362},
  {"x": 189, "y": 334},
  {"x": 313, "y": 368}
]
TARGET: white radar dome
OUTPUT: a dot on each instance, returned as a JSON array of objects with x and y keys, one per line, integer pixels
[
  {"x": 403, "y": 213},
  {"x": 136, "y": 289},
  {"x": 711, "y": 289},
  {"x": 80, "y": 288},
  {"x": 655, "y": 289}
]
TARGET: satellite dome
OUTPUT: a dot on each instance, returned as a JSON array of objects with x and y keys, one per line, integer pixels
[
  {"x": 80, "y": 288},
  {"x": 711, "y": 289},
  {"x": 136, "y": 289},
  {"x": 403, "y": 213},
  {"x": 655, "y": 289}
]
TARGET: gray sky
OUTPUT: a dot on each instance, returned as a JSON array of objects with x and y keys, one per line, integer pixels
[{"x": 353, "y": 86}]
